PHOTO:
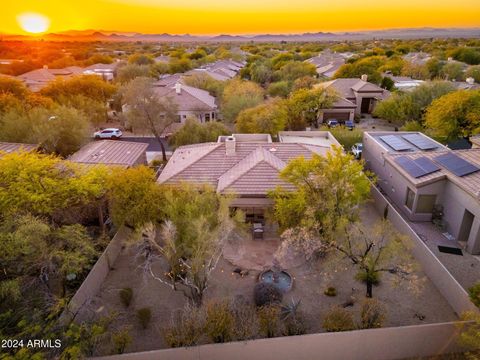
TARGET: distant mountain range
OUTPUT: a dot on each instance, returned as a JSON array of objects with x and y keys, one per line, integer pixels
[{"x": 102, "y": 35}]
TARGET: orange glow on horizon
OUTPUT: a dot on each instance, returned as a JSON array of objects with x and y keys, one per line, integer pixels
[{"x": 240, "y": 16}]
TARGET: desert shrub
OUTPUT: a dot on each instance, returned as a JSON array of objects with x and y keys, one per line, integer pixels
[
  {"x": 266, "y": 294},
  {"x": 372, "y": 314},
  {"x": 294, "y": 322},
  {"x": 338, "y": 319},
  {"x": 269, "y": 321},
  {"x": 330, "y": 291},
  {"x": 246, "y": 321},
  {"x": 474, "y": 293},
  {"x": 144, "y": 315},
  {"x": 219, "y": 322},
  {"x": 126, "y": 295},
  {"x": 186, "y": 327},
  {"x": 121, "y": 339}
]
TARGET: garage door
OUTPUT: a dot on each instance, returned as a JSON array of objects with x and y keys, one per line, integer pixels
[{"x": 341, "y": 116}]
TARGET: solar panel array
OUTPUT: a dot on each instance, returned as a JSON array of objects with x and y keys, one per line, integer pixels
[
  {"x": 396, "y": 142},
  {"x": 456, "y": 164},
  {"x": 418, "y": 167},
  {"x": 421, "y": 142}
]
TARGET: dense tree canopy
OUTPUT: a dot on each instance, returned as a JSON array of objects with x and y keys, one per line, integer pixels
[
  {"x": 454, "y": 115},
  {"x": 194, "y": 132},
  {"x": 266, "y": 118},
  {"x": 239, "y": 95}
]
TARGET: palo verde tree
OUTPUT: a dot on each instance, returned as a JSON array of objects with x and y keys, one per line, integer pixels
[
  {"x": 375, "y": 251},
  {"x": 329, "y": 190},
  {"x": 146, "y": 110},
  {"x": 191, "y": 241}
]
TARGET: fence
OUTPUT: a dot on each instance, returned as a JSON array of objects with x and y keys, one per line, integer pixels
[
  {"x": 95, "y": 278},
  {"x": 446, "y": 284}
]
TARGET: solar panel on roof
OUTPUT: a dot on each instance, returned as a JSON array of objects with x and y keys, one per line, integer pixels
[
  {"x": 421, "y": 142},
  {"x": 410, "y": 167},
  {"x": 426, "y": 164},
  {"x": 456, "y": 164},
  {"x": 396, "y": 142}
]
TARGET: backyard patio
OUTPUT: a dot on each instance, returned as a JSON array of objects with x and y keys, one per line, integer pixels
[{"x": 251, "y": 257}]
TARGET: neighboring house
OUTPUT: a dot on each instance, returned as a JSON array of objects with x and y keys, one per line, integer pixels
[
  {"x": 327, "y": 63},
  {"x": 404, "y": 83},
  {"x": 420, "y": 175},
  {"x": 35, "y": 80},
  {"x": 355, "y": 96},
  {"x": 162, "y": 59},
  {"x": 417, "y": 58},
  {"x": 112, "y": 152},
  {"x": 106, "y": 71},
  {"x": 215, "y": 75},
  {"x": 7, "y": 148},
  {"x": 246, "y": 165},
  {"x": 468, "y": 84},
  {"x": 169, "y": 80},
  {"x": 191, "y": 102}
]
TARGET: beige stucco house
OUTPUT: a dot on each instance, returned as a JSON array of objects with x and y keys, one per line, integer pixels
[
  {"x": 420, "y": 175},
  {"x": 246, "y": 165}
]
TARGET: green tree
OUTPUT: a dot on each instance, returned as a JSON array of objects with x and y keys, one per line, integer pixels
[
  {"x": 146, "y": 111},
  {"x": 295, "y": 70},
  {"x": 13, "y": 86},
  {"x": 239, "y": 95},
  {"x": 377, "y": 251},
  {"x": 129, "y": 72},
  {"x": 329, "y": 191},
  {"x": 194, "y": 132},
  {"x": 61, "y": 130},
  {"x": 454, "y": 115},
  {"x": 205, "y": 82},
  {"x": 452, "y": 71},
  {"x": 140, "y": 59},
  {"x": 279, "y": 88},
  {"x": 304, "y": 105},
  {"x": 190, "y": 245},
  {"x": 366, "y": 66},
  {"x": 473, "y": 72},
  {"x": 270, "y": 118}
]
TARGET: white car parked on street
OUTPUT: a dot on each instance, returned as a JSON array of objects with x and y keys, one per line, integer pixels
[{"x": 110, "y": 133}]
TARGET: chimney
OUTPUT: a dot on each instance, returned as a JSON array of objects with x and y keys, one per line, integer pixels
[
  {"x": 450, "y": 59},
  {"x": 470, "y": 80},
  {"x": 178, "y": 88},
  {"x": 45, "y": 67},
  {"x": 364, "y": 77},
  {"x": 230, "y": 146}
]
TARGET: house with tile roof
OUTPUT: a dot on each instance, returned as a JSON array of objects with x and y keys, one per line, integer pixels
[
  {"x": 7, "y": 147},
  {"x": 106, "y": 71},
  {"x": 35, "y": 80},
  {"x": 112, "y": 153},
  {"x": 190, "y": 101},
  {"x": 354, "y": 97},
  {"x": 423, "y": 178},
  {"x": 245, "y": 165},
  {"x": 327, "y": 63}
]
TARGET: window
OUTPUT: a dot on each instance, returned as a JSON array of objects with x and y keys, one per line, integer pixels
[
  {"x": 213, "y": 116},
  {"x": 410, "y": 199},
  {"x": 425, "y": 204},
  {"x": 179, "y": 119},
  {"x": 207, "y": 117}
]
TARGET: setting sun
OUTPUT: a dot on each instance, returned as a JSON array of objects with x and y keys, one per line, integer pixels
[{"x": 33, "y": 23}]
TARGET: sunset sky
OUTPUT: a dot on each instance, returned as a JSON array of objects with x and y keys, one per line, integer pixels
[{"x": 236, "y": 16}]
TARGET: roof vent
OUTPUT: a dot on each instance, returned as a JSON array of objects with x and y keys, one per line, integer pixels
[
  {"x": 178, "y": 88},
  {"x": 470, "y": 80},
  {"x": 230, "y": 145},
  {"x": 364, "y": 77}
]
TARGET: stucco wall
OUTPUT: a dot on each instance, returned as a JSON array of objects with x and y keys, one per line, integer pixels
[
  {"x": 446, "y": 284},
  {"x": 379, "y": 344},
  {"x": 93, "y": 282}
]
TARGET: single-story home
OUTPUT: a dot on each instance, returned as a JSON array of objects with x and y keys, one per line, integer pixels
[
  {"x": 422, "y": 178},
  {"x": 7, "y": 147},
  {"x": 354, "y": 94},
  {"x": 246, "y": 165},
  {"x": 111, "y": 152},
  {"x": 37, "y": 79},
  {"x": 106, "y": 71},
  {"x": 327, "y": 62}
]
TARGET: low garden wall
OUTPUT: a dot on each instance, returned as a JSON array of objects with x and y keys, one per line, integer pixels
[
  {"x": 379, "y": 344},
  {"x": 445, "y": 283},
  {"x": 95, "y": 278}
]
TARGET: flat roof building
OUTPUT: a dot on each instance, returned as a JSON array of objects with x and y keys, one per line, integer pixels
[{"x": 421, "y": 176}]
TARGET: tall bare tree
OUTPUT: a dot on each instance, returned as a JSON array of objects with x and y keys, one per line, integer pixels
[{"x": 145, "y": 110}]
